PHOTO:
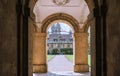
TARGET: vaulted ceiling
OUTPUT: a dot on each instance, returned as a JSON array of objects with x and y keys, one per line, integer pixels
[{"x": 76, "y": 8}]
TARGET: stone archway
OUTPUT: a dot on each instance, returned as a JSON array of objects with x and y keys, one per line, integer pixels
[
  {"x": 91, "y": 18},
  {"x": 28, "y": 6},
  {"x": 60, "y": 16},
  {"x": 39, "y": 44}
]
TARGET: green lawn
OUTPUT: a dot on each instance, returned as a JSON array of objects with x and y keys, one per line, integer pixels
[
  {"x": 70, "y": 57},
  {"x": 89, "y": 60},
  {"x": 49, "y": 57}
]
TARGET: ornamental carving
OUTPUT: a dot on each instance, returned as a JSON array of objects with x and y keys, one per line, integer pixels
[{"x": 61, "y": 2}]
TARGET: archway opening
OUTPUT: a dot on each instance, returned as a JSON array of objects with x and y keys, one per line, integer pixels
[
  {"x": 81, "y": 36},
  {"x": 60, "y": 49},
  {"x": 81, "y": 44}
]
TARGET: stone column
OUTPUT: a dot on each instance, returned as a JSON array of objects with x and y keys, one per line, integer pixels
[
  {"x": 81, "y": 52},
  {"x": 39, "y": 53}
]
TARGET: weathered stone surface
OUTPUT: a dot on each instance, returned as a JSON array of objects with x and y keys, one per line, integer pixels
[
  {"x": 8, "y": 38},
  {"x": 39, "y": 52},
  {"x": 40, "y": 68},
  {"x": 92, "y": 48},
  {"x": 81, "y": 68},
  {"x": 81, "y": 52},
  {"x": 30, "y": 47},
  {"x": 113, "y": 38}
]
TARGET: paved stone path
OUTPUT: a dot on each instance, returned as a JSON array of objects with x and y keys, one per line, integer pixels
[
  {"x": 60, "y": 63},
  {"x": 60, "y": 66},
  {"x": 65, "y": 73}
]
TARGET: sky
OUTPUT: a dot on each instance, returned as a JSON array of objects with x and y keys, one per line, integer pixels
[{"x": 65, "y": 27}]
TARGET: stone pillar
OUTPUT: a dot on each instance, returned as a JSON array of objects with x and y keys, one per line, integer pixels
[
  {"x": 39, "y": 53},
  {"x": 81, "y": 52},
  {"x": 93, "y": 47}
]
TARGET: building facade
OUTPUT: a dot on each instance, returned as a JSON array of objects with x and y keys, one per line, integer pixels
[{"x": 58, "y": 40}]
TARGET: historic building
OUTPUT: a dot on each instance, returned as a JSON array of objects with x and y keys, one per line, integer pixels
[
  {"x": 23, "y": 44},
  {"x": 57, "y": 40}
]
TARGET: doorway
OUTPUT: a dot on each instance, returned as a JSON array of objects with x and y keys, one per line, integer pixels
[{"x": 81, "y": 44}]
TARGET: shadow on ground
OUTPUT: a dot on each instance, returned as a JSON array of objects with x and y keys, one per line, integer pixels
[{"x": 65, "y": 73}]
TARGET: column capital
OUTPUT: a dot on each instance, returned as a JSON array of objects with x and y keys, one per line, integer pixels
[
  {"x": 36, "y": 27},
  {"x": 81, "y": 35},
  {"x": 38, "y": 34}
]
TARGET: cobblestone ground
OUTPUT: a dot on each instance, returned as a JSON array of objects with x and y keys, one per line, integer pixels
[{"x": 61, "y": 66}]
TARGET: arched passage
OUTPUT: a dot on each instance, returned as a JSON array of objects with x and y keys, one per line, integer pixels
[
  {"x": 97, "y": 12},
  {"x": 91, "y": 5},
  {"x": 63, "y": 17},
  {"x": 81, "y": 44}
]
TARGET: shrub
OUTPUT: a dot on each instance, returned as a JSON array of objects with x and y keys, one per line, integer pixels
[
  {"x": 67, "y": 50},
  {"x": 55, "y": 51}
]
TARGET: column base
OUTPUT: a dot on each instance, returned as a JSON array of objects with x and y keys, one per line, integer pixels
[
  {"x": 39, "y": 68},
  {"x": 81, "y": 68}
]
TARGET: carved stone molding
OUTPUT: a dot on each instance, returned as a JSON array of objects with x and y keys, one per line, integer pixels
[{"x": 61, "y": 2}]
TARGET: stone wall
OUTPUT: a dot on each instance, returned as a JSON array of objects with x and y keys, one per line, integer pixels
[
  {"x": 30, "y": 47},
  {"x": 113, "y": 38},
  {"x": 92, "y": 48},
  {"x": 8, "y": 38}
]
